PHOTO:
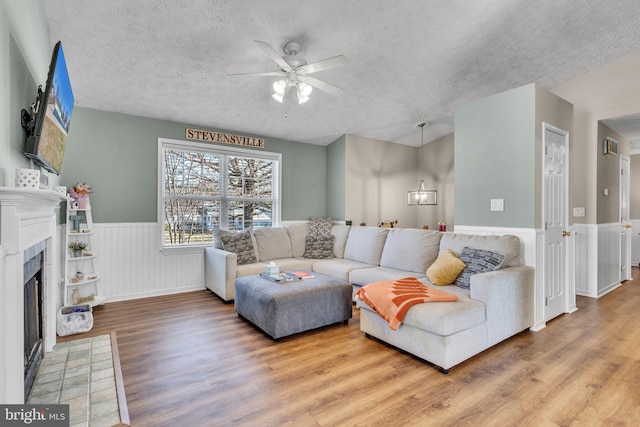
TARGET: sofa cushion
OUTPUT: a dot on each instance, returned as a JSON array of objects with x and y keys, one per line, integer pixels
[
  {"x": 477, "y": 261},
  {"x": 242, "y": 245},
  {"x": 446, "y": 318},
  {"x": 320, "y": 226},
  {"x": 339, "y": 268},
  {"x": 298, "y": 236},
  {"x": 509, "y": 245},
  {"x": 291, "y": 264},
  {"x": 392, "y": 299},
  {"x": 443, "y": 318},
  {"x": 365, "y": 244},
  {"x": 273, "y": 243},
  {"x": 364, "y": 276},
  {"x": 341, "y": 233},
  {"x": 319, "y": 247},
  {"x": 250, "y": 269},
  {"x": 445, "y": 269},
  {"x": 410, "y": 249}
]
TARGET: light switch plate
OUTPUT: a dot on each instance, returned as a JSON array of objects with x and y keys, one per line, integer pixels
[
  {"x": 578, "y": 212},
  {"x": 497, "y": 205}
]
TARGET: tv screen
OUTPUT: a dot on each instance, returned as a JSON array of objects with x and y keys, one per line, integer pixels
[{"x": 53, "y": 109}]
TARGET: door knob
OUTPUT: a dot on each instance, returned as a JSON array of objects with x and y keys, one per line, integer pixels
[
  {"x": 627, "y": 226},
  {"x": 566, "y": 233}
]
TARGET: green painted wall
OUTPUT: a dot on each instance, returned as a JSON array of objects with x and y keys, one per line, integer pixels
[
  {"x": 25, "y": 54},
  {"x": 336, "y": 167},
  {"x": 117, "y": 155},
  {"x": 494, "y": 153}
]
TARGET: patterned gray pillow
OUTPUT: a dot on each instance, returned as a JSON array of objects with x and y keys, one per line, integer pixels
[
  {"x": 242, "y": 245},
  {"x": 320, "y": 226},
  {"x": 319, "y": 247},
  {"x": 478, "y": 261}
]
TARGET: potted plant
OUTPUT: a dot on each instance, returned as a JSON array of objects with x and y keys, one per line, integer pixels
[
  {"x": 77, "y": 248},
  {"x": 80, "y": 193}
]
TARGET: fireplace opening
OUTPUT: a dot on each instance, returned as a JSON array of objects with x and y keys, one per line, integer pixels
[{"x": 33, "y": 313}]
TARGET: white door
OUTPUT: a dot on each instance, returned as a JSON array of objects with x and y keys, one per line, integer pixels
[
  {"x": 625, "y": 223},
  {"x": 555, "y": 219}
]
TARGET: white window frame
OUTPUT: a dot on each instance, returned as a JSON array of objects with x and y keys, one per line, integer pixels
[{"x": 164, "y": 143}]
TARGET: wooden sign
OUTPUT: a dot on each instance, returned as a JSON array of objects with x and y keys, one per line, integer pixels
[{"x": 224, "y": 138}]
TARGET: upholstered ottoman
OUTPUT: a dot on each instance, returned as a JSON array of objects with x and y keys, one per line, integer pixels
[{"x": 282, "y": 309}]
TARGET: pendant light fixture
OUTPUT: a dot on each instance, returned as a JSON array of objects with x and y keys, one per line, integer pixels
[{"x": 421, "y": 196}]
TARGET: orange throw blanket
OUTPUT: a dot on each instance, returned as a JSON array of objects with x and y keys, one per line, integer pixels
[{"x": 392, "y": 299}]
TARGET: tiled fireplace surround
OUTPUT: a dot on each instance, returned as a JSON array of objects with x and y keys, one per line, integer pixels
[{"x": 27, "y": 217}]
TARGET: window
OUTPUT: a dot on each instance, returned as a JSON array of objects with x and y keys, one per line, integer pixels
[{"x": 203, "y": 187}]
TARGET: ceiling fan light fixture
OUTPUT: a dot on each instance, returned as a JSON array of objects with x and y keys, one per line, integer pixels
[
  {"x": 301, "y": 97},
  {"x": 294, "y": 70},
  {"x": 279, "y": 87},
  {"x": 305, "y": 89}
]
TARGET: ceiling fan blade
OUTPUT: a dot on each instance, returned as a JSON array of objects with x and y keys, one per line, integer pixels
[
  {"x": 323, "y": 86},
  {"x": 269, "y": 50},
  {"x": 325, "y": 64},
  {"x": 268, "y": 73}
]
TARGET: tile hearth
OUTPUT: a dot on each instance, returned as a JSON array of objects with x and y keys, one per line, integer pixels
[{"x": 80, "y": 373}]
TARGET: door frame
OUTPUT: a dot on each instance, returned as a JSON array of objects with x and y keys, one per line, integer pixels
[
  {"x": 625, "y": 275},
  {"x": 568, "y": 246}
]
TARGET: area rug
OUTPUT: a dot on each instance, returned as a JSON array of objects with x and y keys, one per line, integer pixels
[{"x": 86, "y": 375}]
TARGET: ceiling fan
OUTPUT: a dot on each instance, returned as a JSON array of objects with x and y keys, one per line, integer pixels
[{"x": 295, "y": 71}]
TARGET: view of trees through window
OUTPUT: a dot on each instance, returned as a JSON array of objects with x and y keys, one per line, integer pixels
[{"x": 204, "y": 190}]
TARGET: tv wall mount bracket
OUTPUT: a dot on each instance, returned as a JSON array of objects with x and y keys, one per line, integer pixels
[{"x": 27, "y": 120}]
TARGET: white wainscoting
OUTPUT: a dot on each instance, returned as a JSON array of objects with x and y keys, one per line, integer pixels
[
  {"x": 132, "y": 266},
  {"x": 609, "y": 276},
  {"x": 586, "y": 237},
  {"x": 598, "y": 258},
  {"x": 635, "y": 242}
]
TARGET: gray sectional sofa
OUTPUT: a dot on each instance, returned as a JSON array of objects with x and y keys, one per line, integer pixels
[{"x": 498, "y": 304}]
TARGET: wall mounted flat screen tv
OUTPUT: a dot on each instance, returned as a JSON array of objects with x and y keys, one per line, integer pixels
[{"x": 48, "y": 125}]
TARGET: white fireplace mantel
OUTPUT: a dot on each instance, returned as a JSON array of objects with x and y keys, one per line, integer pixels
[{"x": 27, "y": 217}]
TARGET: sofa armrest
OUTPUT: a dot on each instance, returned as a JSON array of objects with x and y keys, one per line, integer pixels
[
  {"x": 509, "y": 298},
  {"x": 220, "y": 272}
]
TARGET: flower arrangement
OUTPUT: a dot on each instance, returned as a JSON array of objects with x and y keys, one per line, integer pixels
[
  {"x": 81, "y": 188},
  {"x": 78, "y": 246}
]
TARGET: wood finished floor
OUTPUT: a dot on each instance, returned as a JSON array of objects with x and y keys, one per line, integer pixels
[{"x": 189, "y": 360}]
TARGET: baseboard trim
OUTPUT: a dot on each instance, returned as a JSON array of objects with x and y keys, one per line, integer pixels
[
  {"x": 117, "y": 369},
  {"x": 159, "y": 293}
]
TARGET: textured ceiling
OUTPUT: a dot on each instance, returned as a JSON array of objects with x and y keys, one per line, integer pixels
[{"x": 409, "y": 60}]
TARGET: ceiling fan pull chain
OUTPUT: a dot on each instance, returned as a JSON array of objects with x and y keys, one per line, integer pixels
[{"x": 284, "y": 101}]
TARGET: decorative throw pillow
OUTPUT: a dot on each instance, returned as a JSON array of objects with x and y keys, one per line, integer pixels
[
  {"x": 445, "y": 269},
  {"x": 319, "y": 247},
  {"x": 320, "y": 226},
  {"x": 478, "y": 261},
  {"x": 242, "y": 245}
]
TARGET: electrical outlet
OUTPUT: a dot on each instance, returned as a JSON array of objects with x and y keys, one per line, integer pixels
[
  {"x": 497, "y": 205},
  {"x": 578, "y": 211}
]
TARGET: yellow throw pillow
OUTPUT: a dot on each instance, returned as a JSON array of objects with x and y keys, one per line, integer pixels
[{"x": 445, "y": 269}]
